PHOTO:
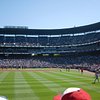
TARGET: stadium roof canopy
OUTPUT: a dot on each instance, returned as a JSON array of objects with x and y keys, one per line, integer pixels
[{"x": 74, "y": 30}]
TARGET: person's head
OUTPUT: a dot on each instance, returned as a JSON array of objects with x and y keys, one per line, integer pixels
[{"x": 73, "y": 94}]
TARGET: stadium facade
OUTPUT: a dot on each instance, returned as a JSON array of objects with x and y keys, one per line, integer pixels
[{"x": 81, "y": 42}]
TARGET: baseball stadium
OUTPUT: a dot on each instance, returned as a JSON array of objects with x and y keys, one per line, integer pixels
[{"x": 37, "y": 64}]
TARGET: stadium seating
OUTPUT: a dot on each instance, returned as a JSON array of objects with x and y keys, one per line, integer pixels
[{"x": 76, "y": 45}]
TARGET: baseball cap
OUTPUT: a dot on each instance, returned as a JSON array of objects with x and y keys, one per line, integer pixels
[
  {"x": 73, "y": 94},
  {"x": 3, "y": 98}
]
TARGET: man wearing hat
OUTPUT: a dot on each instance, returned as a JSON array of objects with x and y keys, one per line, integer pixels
[
  {"x": 96, "y": 77},
  {"x": 73, "y": 94}
]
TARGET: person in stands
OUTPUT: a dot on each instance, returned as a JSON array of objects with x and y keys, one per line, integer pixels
[{"x": 73, "y": 94}]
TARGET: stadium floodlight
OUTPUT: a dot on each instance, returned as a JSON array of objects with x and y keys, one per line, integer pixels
[{"x": 33, "y": 54}]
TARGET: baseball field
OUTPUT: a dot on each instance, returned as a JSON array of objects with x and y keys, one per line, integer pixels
[{"x": 44, "y": 84}]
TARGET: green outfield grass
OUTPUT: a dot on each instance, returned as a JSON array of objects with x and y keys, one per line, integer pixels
[{"x": 43, "y": 84}]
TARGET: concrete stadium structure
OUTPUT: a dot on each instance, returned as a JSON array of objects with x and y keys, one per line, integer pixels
[{"x": 75, "y": 43}]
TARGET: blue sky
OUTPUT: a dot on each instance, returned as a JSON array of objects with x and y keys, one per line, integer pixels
[{"x": 49, "y": 14}]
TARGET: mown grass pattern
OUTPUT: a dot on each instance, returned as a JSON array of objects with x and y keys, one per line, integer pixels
[{"x": 44, "y": 84}]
